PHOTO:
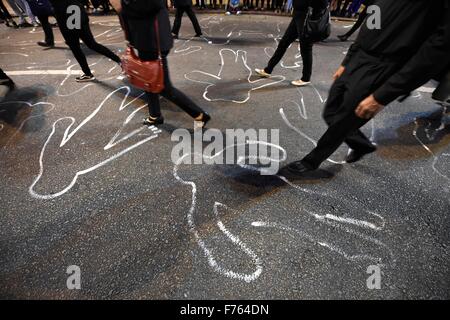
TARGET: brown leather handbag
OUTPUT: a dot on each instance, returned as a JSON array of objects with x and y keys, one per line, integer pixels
[{"x": 145, "y": 75}]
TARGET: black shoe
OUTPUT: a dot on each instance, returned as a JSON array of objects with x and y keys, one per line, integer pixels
[
  {"x": 354, "y": 156},
  {"x": 9, "y": 83},
  {"x": 150, "y": 121},
  {"x": 45, "y": 44},
  {"x": 198, "y": 35},
  {"x": 299, "y": 168},
  {"x": 343, "y": 38},
  {"x": 85, "y": 78},
  {"x": 202, "y": 123},
  {"x": 25, "y": 25}
]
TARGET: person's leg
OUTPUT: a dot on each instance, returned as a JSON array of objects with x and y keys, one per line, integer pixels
[
  {"x": 177, "y": 23},
  {"x": 154, "y": 107},
  {"x": 46, "y": 26},
  {"x": 176, "y": 96},
  {"x": 191, "y": 14},
  {"x": 26, "y": 8},
  {"x": 356, "y": 140},
  {"x": 88, "y": 39},
  {"x": 289, "y": 37},
  {"x": 74, "y": 44},
  {"x": 306, "y": 50},
  {"x": 17, "y": 11}
]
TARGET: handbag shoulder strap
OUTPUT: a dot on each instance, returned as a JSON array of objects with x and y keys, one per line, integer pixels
[{"x": 158, "y": 42}]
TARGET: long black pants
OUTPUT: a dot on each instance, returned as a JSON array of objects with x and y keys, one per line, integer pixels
[
  {"x": 191, "y": 15},
  {"x": 362, "y": 17},
  {"x": 293, "y": 33},
  {"x": 47, "y": 27},
  {"x": 170, "y": 92},
  {"x": 73, "y": 37},
  {"x": 363, "y": 75}
]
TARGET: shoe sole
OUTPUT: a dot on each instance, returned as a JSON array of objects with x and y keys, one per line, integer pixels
[
  {"x": 87, "y": 80},
  {"x": 301, "y": 85}
]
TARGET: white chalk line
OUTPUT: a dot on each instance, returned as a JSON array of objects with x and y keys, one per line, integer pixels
[
  {"x": 68, "y": 134},
  {"x": 240, "y": 56}
]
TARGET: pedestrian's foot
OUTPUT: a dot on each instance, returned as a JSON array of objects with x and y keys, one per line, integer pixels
[
  {"x": 238, "y": 13},
  {"x": 355, "y": 156},
  {"x": 343, "y": 38},
  {"x": 35, "y": 24},
  {"x": 228, "y": 13},
  {"x": 45, "y": 44},
  {"x": 198, "y": 35},
  {"x": 203, "y": 119},
  {"x": 153, "y": 121},
  {"x": 85, "y": 78},
  {"x": 262, "y": 73},
  {"x": 25, "y": 25},
  {"x": 175, "y": 36},
  {"x": 300, "y": 83},
  {"x": 299, "y": 168},
  {"x": 9, "y": 83}
]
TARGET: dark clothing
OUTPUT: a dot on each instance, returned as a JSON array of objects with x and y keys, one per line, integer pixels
[
  {"x": 442, "y": 92},
  {"x": 179, "y": 15},
  {"x": 47, "y": 27},
  {"x": 73, "y": 36},
  {"x": 182, "y": 3},
  {"x": 173, "y": 95},
  {"x": 294, "y": 32},
  {"x": 40, "y": 7},
  {"x": 362, "y": 75},
  {"x": 415, "y": 33},
  {"x": 137, "y": 24},
  {"x": 139, "y": 19},
  {"x": 362, "y": 17},
  {"x": 306, "y": 49}
]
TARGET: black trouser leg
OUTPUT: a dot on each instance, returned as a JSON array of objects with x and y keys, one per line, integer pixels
[
  {"x": 174, "y": 95},
  {"x": 356, "y": 140},
  {"x": 177, "y": 23},
  {"x": 88, "y": 39},
  {"x": 289, "y": 37},
  {"x": 46, "y": 26},
  {"x": 306, "y": 50},
  {"x": 362, "y": 76},
  {"x": 191, "y": 14},
  {"x": 73, "y": 42}
]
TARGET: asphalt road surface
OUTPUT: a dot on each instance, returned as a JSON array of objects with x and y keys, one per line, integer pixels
[{"x": 84, "y": 183}]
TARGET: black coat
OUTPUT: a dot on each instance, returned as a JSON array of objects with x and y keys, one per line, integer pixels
[
  {"x": 40, "y": 7},
  {"x": 139, "y": 21},
  {"x": 182, "y": 3}
]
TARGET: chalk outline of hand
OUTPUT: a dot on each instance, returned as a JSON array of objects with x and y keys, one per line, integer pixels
[
  {"x": 239, "y": 56},
  {"x": 69, "y": 133},
  {"x": 436, "y": 158}
]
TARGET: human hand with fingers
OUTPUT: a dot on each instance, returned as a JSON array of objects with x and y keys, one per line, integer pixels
[
  {"x": 233, "y": 82},
  {"x": 368, "y": 108}
]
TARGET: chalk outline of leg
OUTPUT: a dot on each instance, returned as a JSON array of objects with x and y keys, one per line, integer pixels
[
  {"x": 68, "y": 134},
  {"x": 237, "y": 54},
  {"x": 208, "y": 253}
]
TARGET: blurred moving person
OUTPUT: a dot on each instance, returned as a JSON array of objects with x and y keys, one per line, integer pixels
[
  {"x": 183, "y": 6},
  {"x": 138, "y": 17}
]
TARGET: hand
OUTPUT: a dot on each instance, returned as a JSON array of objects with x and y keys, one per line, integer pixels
[
  {"x": 368, "y": 108},
  {"x": 338, "y": 73}
]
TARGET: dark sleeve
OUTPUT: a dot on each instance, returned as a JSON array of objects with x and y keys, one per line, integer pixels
[{"x": 430, "y": 60}]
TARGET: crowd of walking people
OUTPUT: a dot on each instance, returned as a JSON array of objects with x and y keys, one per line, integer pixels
[
  {"x": 23, "y": 9},
  {"x": 383, "y": 65}
]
